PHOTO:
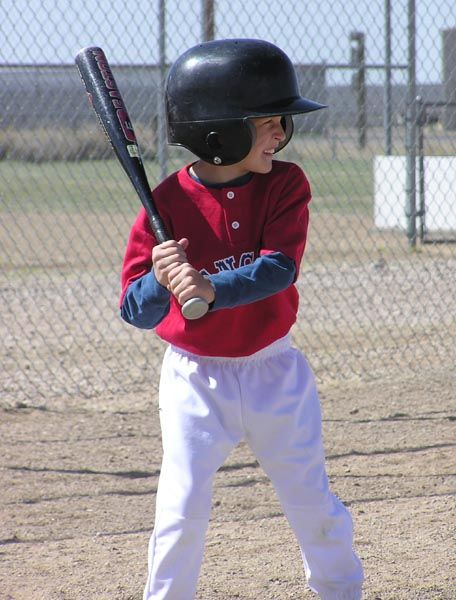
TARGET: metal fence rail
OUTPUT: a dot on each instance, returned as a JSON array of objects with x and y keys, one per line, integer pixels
[{"x": 378, "y": 281}]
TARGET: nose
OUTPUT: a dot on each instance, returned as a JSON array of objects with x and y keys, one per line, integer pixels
[{"x": 279, "y": 131}]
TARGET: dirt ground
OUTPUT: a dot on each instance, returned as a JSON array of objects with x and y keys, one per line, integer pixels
[
  {"x": 78, "y": 491},
  {"x": 80, "y": 440}
]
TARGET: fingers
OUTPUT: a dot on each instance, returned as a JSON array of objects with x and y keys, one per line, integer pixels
[
  {"x": 170, "y": 250},
  {"x": 173, "y": 271},
  {"x": 185, "y": 283},
  {"x": 167, "y": 256},
  {"x": 184, "y": 243}
]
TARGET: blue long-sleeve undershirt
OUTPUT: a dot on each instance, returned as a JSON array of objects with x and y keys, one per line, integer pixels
[{"x": 146, "y": 302}]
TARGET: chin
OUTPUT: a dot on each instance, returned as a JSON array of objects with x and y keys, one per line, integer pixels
[
  {"x": 267, "y": 168},
  {"x": 261, "y": 165}
]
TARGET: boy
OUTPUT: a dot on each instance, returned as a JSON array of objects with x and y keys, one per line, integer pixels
[{"x": 239, "y": 221}]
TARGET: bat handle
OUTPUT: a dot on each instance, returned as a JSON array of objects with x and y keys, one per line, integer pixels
[{"x": 195, "y": 308}]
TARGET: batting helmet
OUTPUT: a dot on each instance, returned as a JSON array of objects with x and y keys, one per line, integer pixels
[{"x": 215, "y": 87}]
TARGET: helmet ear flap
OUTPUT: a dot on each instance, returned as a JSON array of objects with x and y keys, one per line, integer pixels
[
  {"x": 229, "y": 142},
  {"x": 288, "y": 128},
  {"x": 216, "y": 142}
]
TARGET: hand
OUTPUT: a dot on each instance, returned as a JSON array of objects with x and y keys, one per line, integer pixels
[
  {"x": 166, "y": 257},
  {"x": 185, "y": 283}
]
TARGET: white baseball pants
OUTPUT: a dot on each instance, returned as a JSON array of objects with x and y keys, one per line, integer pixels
[{"x": 207, "y": 406}]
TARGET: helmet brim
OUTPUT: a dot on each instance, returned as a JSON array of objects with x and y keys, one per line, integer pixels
[{"x": 295, "y": 106}]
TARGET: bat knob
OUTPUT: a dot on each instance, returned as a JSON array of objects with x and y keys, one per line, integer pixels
[{"x": 195, "y": 308}]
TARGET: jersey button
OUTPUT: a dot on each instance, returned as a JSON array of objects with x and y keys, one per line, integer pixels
[
  {"x": 230, "y": 195},
  {"x": 235, "y": 224}
]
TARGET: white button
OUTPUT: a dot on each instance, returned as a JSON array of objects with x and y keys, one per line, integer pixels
[
  {"x": 230, "y": 195},
  {"x": 235, "y": 225}
]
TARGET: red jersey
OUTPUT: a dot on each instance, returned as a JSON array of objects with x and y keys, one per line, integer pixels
[{"x": 228, "y": 228}]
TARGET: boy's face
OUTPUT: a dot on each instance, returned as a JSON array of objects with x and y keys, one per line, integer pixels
[{"x": 269, "y": 134}]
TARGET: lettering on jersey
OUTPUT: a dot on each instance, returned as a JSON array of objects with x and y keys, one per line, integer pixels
[
  {"x": 225, "y": 264},
  {"x": 229, "y": 263},
  {"x": 247, "y": 258}
]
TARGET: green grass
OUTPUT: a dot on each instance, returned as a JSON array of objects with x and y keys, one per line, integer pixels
[
  {"x": 94, "y": 186},
  {"x": 341, "y": 186},
  {"x": 338, "y": 186}
]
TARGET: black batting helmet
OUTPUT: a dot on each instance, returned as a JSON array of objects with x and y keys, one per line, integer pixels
[{"x": 215, "y": 87}]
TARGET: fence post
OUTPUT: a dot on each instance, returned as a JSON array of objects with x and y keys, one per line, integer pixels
[
  {"x": 387, "y": 109},
  {"x": 208, "y": 24},
  {"x": 357, "y": 39},
  {"x": 410, "y": 124},
  {"x": 421, "y": 121},
  {"x": 162, "y": 146},
  {"x": 449, "y": 78}
]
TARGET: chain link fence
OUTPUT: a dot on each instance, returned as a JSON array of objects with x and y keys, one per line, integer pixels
[{"x": 378, "y": 285}]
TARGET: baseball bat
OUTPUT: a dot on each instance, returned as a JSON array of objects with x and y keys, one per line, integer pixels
[{"x": 108, "y": 104}]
